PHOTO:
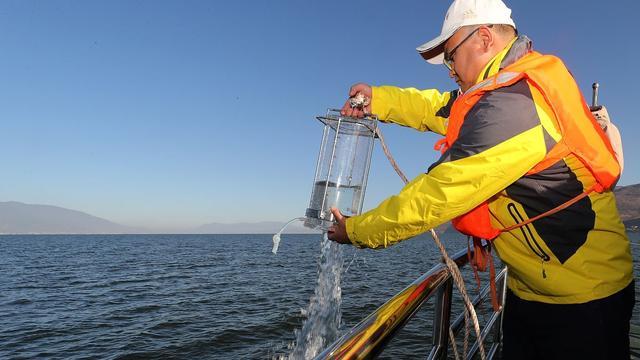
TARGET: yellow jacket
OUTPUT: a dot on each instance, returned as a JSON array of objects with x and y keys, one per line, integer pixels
[{"x": 570, "y": 257}]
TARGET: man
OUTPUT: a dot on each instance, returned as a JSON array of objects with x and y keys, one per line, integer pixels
[{"x": 520, "y": 143}]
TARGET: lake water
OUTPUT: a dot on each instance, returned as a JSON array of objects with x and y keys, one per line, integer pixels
[{"x": 192, "y": 296}]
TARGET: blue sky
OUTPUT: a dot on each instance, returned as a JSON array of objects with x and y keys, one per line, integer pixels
[{"x": 171, "y": 114}]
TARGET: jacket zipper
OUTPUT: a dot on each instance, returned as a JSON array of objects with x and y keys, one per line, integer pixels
[{"x": 528, "y": 236}]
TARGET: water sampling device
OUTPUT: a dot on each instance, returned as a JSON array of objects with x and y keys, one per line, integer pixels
[{"x": 342, "y": 170}]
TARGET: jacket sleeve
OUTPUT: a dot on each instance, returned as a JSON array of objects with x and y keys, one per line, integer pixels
[
  {"x": 420, "y": 109},
  {"x": 501, "y": 140}
]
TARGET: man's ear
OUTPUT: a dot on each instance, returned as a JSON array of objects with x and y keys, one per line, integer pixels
[{"x": 487, "y": 37}]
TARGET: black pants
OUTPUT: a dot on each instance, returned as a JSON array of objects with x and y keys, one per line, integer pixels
[{"x": 597, "y": 329}]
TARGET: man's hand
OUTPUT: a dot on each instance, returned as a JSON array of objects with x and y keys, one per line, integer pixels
[
  {"x": 358, "y": 112},
  {"x": 601, "y": 115},
  {"x": 338, "y": 232}
]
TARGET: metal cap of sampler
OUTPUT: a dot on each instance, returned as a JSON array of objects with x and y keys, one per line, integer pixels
[{"x": 342, "y": 169}]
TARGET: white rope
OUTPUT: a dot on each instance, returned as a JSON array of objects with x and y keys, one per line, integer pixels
[
  {"x": 452, "y": 338},
  {"x": 390, "y": 157},
  {"x": 459, "y": 281}
]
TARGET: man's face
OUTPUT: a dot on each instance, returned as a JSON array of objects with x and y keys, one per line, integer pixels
[{"x": 462, "y": 52}]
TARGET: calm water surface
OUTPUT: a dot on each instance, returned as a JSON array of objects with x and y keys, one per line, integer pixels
[{"x": 191, "y": 296}]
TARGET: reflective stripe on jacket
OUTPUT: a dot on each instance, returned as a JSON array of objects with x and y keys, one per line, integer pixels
[{"x": 573, "y": 256}]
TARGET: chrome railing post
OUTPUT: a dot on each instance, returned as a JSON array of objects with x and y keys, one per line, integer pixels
[
  {"x": 442, "y": 320},
  {"x": 502, "y": 290},
  {"x": 492, "y": 324}
]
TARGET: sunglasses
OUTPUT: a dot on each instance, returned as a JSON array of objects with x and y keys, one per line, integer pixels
[{"x": 448, "y": 56}]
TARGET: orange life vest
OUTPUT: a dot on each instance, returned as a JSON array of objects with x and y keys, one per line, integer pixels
[{"x": 581, "y": 134}]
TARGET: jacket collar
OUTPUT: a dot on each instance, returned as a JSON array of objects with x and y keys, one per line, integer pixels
[{"x": 515, "y": 50}]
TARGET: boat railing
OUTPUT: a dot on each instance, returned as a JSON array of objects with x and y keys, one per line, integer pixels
[{"x": 369, "y": 338}]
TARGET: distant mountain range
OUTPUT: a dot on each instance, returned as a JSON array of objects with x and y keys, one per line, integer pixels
[{"x": 20, "y": 218}]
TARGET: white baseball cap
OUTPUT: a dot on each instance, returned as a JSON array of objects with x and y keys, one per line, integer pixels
[{"x": 462, "y": 13}]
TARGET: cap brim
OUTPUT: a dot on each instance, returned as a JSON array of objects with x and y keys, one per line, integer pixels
[{"x": 432, "y": 51}]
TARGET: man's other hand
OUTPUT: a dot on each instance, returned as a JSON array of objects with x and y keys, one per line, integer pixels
[
  {"x": 358, "y": 112},
  {"x": 602, "y": 116},
  {"x": 338, "y": 232}
]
